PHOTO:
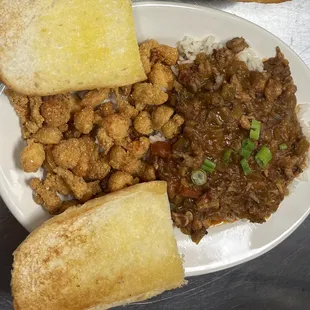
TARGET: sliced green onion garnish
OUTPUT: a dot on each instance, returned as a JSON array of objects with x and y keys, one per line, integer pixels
[
  {"x": 245, "y": 153},
  {"x": 226, "y": 156},
  {"x": 255, "y": 129},
  {"x": 264, "y": 156},
  {"x": 247, "y": 147},
  {"x": 248, "y": 144},
  {"x": 208, "y": 166},
  {"x": 207, "y": 169},
  {"x": 199, "y": 177},
  {"x": 245, "y": 166},
  {"x": 283, "y": 146},
  {"x": 209, "y": 163}
]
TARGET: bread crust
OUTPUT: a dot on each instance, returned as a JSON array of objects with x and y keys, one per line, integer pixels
[
  {"x": 32, "y": 92},
  {"x": 111, "y": 251}
]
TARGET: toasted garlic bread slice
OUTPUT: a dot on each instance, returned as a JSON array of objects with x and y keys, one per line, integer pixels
[
  {"x": 55, "y": 46},
  {"x": 111, "y": 251}
]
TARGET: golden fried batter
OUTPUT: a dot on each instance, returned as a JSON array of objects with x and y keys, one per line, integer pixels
[
  {"x": 165, "y": 54},
  {"x": 45, "y": 196},
  {"x": 116, "y": 126},
  {"x": 55, "y": 111},
  {"x": 35, "y": 103},
  {"x": 84, "y": 120},
  {"x": 105, "y": 109},
  {"x": 148, "y": 94},
  {"x": 145, "y": 54},
  {"x": 98, "y": 169},
  {"x": 118, "y": 157},
  {"x": 48, "y": 135},
  {"x": 87, "y": 147},
  {"x": 138, "y": 148},
  {"x": 72, "y": 132},
  {"x": 94, "y": 188},
  {"x": 32, "y": 156},
  {"x": 161, "y": 115},
  {"x": 173, "y": 126},
  {"x": 134, "y": 167},
  {"x": 99, "y": 166},
  {"x": 72, "y": 101},
  {"x": 63, "y": 128},
  {"x": 105, "y": 141},
  {"x": 146, "y": 47},
  {"x": 55, "y": 182},
  {"x": 148, "y": 174},
  {"x": 29, "y": 128},
  {"x": 98, "y": 119},
  {"x": 95, "y": 97},
  {"x": 143, "y": 123},
  {"x": 69, "y": 100},
  {"x": 28, "y": 109},
  {"x": 49, "y": 163},
  {"x": 126, "y": 90},
  {"x": 67, "y": 153},
  {"x": 162, "y": 76},
  {"x": 126, "y": 109},
  {"x": 77, "y": 184},
  {"x": 119, "y": 180},
  {"x": 68, "y": 204}
]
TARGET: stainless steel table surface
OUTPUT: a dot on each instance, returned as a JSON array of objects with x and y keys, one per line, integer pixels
[{"x": 277, "y": 280}]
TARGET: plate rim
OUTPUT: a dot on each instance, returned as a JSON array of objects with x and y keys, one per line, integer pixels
[{"x": 203, "y": 269}]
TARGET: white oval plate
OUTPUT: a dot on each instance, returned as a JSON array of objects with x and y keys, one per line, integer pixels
[{"x": 225, "y": 245}]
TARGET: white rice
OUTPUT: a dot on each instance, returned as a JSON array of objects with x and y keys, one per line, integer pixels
[
  {"x": 253, "y": 62},
  {"x": 189, "y": 47},
  {"x": 303, "y": 114},
  {"x": 156, "y": 137},
  {"x": 175, "y": 70}
]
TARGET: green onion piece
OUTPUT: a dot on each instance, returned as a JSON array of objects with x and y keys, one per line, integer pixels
[
  {"x": 245, "y": 153},
  {"x": 255, "y": 129},
  {"x": 245, "y": 166},
  {"x": 209, "y": 163},
  {"x": 226, "y": 156},
  {"x": 208, "y": 166},
  {"x": 247, "y": 147},
  {"x": 199, "y": 177},
  {"x": 207, "y": 169},
  {"x": 264, "y": 156},
  {"x": 248, "y": 144},
  {"x": 283, "y": 146}
]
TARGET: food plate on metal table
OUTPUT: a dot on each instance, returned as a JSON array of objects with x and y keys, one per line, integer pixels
[{"x": 226, "y": 244}]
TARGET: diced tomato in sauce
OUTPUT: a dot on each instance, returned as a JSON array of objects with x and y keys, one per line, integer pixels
[
  {"x": 189, "y": 192},
  {"x": 161, "y": 149}
]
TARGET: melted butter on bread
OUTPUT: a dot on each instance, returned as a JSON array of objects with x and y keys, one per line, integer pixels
[{"x": 71, "y": 46}]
